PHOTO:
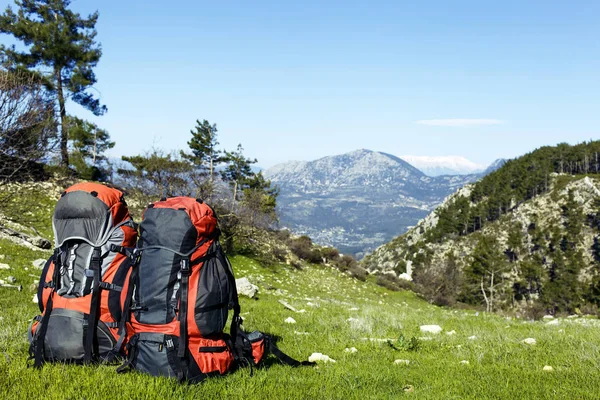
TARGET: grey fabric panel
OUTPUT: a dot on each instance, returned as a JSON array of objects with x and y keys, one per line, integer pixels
[
  {"x": 75, "y": 258},
  {"x": 214, "y": 288},
  {"x": 168, "y": 228},
  {"x": 152, "y": 355},
  {"x": 80, "y": 215},
  {"x": 117, "y": 236},
  {"x": 157, "y": 273},
  {"x": 64, "y": 338},
  {"x": 158, "y": 280}
]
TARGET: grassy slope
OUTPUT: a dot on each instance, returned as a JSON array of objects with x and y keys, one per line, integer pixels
[{"x": 500, "y": 365}]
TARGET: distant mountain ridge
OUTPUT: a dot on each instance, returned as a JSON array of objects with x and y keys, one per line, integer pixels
[
  {"x": 444, "y": 165},
  {"x": 525, "y": 236},
  {"x": 358, "y": 200}
]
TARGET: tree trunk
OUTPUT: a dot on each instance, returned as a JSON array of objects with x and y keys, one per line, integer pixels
[
  {"x": 491, "y": 292},
  {"x": 487, "y": 302},
  {"x": 64, "y": 138},
  {"x": 235, "y": 185}
]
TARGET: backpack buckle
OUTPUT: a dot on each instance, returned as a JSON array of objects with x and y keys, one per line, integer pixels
[{"x": 185, "y": 266}]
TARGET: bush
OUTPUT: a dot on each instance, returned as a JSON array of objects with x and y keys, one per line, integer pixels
[
  {"x": 303, "y": 248},
  {"x": 330, "y": 253},
  {"x": 439, "y": 286},
  {"x": 344, "y": 263},
  {"x": 394, "y": 283},
  {"x": 534, "y": 311},
  {"x": 279, "y": 253},
  {"x": 358, "y": 273}
]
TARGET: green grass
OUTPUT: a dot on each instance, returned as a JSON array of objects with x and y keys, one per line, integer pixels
[{"x": 500, "y": 365}]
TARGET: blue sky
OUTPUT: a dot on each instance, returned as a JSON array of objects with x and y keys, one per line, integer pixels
[{"x": 302, "y": 80}]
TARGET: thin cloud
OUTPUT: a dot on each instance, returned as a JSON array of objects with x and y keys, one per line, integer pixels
[{"x": 460, "y": 122}]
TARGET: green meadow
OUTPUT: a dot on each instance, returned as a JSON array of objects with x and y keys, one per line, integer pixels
[{"x": 475, "y": 356}]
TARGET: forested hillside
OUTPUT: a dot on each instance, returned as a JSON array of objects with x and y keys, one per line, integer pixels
[{"x": 525, "y": 236}]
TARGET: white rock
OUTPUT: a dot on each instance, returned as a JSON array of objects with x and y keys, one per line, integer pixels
[
  {"x": 314, "y": 357},
  {"x": 401, "y": 362},
  {"x": 547, "y": 368},
  {"x": 245, "y": 288},
  {"x": 35, "y": 299},
  {"x": 472, "y": 337},
  {"x": 405, "y": 276},
  {"x": 290, "y": 320},
  {"x": 350, "y": 350},
  {"x": 39, "y": 263},
  {"x": 4, "y": 266},
  {"x": 530, "y": 341},
  {"x": 431, "y": 328},
  {"x": 465, "y": 362},
  {"x": 547, "y": 316},
  {"x": 452, "y": 332},
  {"x": 553, "y": 322}
]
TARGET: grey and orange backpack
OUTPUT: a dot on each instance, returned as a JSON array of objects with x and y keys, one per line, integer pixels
[
  {"x": 162, "y": 304},
  {"x": 180, "y": 294},
  {"x": 83, "y": 285}
]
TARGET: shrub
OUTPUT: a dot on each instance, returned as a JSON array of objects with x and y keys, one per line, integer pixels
[
  {"x": 345, "y": 262},
  {"x": 358, "y": 273},
  {"x": 330, "y": 253},
  {"x": 392, "y": 282}
]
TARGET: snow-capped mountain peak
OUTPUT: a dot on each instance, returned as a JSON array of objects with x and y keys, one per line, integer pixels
[{"x": 444, "y": 165}]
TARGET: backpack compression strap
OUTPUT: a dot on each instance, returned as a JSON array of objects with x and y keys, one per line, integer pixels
[
  {"x": 90, "y": 334},
  {"x": 185, "y": 269},
  {"x": 133, "y": 256},
  {"x": 37, "y": 353}
]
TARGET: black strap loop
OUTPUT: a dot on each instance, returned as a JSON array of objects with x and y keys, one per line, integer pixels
[
  {"x": 38, "y": 352},
  {"x": 110, "y": 286},
  {"x": 132, "y": 350},
  {"x": 91, "y": 340},
  {"x": 125, "y": 315},
  {"x": 284, "y": 358},
  {"x": 183, "y": 305},
  {"x": 174, "y": 360}
]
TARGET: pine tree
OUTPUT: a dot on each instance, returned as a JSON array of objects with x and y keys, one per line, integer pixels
[
  {"x": 157, "y": 174},
  {"x": 89, "y": 143},
  {"x": 484, "y": 272},
  {"x": 238, "y": 170},
  {"x": 61, "y": 50},
  {"x": 203, "y": 145}
]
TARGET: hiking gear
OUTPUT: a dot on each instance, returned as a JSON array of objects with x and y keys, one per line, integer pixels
[
  {"x": 181, "y": 292},
  {"x": 83, "y": 286}
]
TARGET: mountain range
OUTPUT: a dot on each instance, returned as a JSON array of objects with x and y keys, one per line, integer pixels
[
  {"x": 444, "y": 165},
  {"x": 526, "y": 236},
  {"x": 358, "y": 200}
]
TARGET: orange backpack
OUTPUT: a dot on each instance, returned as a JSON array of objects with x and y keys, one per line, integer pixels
[
  {"x": 181, "y": 291},
  {"x": 83, "y": 286}
]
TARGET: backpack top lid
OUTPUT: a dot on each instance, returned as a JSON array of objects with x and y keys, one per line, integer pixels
[
  {"x": 178, "y": 223},
  {"x": 89, "y": 212}
]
